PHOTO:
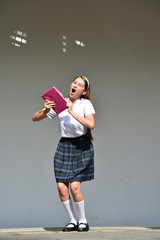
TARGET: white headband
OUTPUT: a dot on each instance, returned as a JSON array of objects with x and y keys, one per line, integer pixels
[{"x": 86, "y": 80}]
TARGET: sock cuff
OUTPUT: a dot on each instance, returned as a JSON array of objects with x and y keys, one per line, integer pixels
[
  {"x": 69, "y": 201},
  {"x": 66, "y": 201},
  {"x": 81, "y": 202}
]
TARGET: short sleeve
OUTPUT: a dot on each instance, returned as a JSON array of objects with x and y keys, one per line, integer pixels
[
  {"x": 89, "y": 109},
  {"x": 52, "y": 114}
]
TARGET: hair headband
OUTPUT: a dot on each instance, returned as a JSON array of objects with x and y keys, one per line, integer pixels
[{"x": 86, "y": 80}]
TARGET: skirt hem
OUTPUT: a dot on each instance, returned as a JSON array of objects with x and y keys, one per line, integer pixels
[{"x": 73, "y": 180}]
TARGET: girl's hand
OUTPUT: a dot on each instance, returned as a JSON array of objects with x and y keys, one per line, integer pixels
[
  {"x": 69, "y": 105},
  {"x": 49, "y": 104}
]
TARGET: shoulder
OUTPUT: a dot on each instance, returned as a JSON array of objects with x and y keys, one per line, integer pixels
[
  {"x": 84, "y": 101},
  {"x": 88, "y": 106}
]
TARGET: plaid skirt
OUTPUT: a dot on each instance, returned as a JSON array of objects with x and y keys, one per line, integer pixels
[{"x": 74, "y": 160}]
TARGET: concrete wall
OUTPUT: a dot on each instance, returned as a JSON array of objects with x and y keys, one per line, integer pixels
[{"x": 121, "y": 57}]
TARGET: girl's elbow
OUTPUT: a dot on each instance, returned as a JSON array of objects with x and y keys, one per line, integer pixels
[
  {"x": 33, "y": 119},
  {"x": 92, "y": 126}
]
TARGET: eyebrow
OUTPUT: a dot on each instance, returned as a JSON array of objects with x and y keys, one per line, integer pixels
[{"x": 80, "y": 84}]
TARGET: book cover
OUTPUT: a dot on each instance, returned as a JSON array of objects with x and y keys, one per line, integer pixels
[{"x": 53, "y": 94}]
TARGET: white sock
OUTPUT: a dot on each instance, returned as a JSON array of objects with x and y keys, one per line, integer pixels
[
  {"x": 80, "y": 211},
  {"x": 70, "y": 211}
]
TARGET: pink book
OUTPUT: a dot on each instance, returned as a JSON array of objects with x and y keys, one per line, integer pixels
[{"x": 53, "y": 94}]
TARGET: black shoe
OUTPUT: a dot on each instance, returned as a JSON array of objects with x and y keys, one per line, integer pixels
[
  {"x": 70, "y": 229},
  {"x": 83, "y": 227}
]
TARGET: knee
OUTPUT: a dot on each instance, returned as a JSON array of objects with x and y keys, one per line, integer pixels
[
  {"x": 62, "y": 188},
  {"x": 75, "y": 189}
]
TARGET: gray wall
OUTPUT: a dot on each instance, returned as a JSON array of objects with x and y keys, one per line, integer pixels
[{"x": 121, "y": 58}]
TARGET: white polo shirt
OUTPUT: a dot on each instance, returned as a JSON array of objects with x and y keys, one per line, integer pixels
[{"x": 69, "y": 126}]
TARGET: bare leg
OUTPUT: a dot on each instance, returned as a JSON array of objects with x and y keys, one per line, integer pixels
[
  {"x": 75, "y": 188},
  {"x": 63, "y": 191}
]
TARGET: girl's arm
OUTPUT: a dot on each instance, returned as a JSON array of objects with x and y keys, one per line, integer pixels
[
  {"x": 87, "y": 121},
  {"x": 43, "y": 113}
]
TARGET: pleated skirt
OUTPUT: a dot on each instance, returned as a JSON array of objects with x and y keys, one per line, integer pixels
[{"x": 74, "y": 160}]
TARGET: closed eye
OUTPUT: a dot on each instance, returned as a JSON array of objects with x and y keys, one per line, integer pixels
[{"x": 80, "y": 85}]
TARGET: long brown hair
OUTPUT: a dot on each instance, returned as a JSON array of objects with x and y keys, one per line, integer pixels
[{"x": 87, "y": 96}]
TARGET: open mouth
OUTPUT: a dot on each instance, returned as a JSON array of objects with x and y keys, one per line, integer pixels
[{"x": 73, "y": 90}]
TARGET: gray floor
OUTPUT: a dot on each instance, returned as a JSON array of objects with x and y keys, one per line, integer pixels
[{"x": 110, "y": 233}]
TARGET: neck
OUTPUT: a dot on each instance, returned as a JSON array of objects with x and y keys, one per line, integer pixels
[{"x": 73, "y": 100}]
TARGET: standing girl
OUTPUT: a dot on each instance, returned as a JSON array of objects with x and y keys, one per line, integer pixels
[{"x": 74, "y": 157}]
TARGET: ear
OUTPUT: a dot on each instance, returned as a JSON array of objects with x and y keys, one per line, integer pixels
[{"x": 84, "y": 93}]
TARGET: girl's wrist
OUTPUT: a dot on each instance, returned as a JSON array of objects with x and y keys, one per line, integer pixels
[
  {"x": 46, "y": 110},
  {"x": 69, "y": 110}
]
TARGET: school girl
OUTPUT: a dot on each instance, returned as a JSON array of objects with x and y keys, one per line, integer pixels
[{"x": 74, "y": 157}]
